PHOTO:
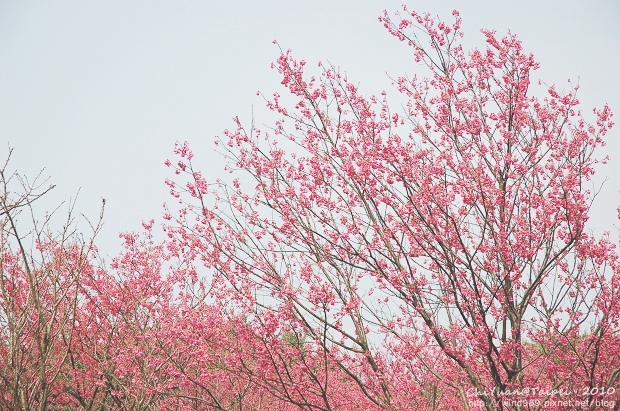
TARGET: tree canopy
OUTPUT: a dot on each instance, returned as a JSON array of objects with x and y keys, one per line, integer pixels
[{"x": 365, "y": 255}]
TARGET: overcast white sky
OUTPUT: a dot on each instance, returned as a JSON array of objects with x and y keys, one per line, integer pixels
[{"x": 98, "y": 92}]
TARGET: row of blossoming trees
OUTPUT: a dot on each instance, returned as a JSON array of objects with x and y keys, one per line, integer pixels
[{"x": 430, "y": 257}]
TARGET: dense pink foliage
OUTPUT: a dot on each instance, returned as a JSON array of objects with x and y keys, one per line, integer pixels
[{"x": 364, "y": 257}]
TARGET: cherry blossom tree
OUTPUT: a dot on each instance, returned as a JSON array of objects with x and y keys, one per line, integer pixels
[
  {"x": 429, "y": 256},
  {"x": 40, "y": 274}
]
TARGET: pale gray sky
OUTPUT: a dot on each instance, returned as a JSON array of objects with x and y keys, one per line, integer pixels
[{"x": 97, "y": 92}]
